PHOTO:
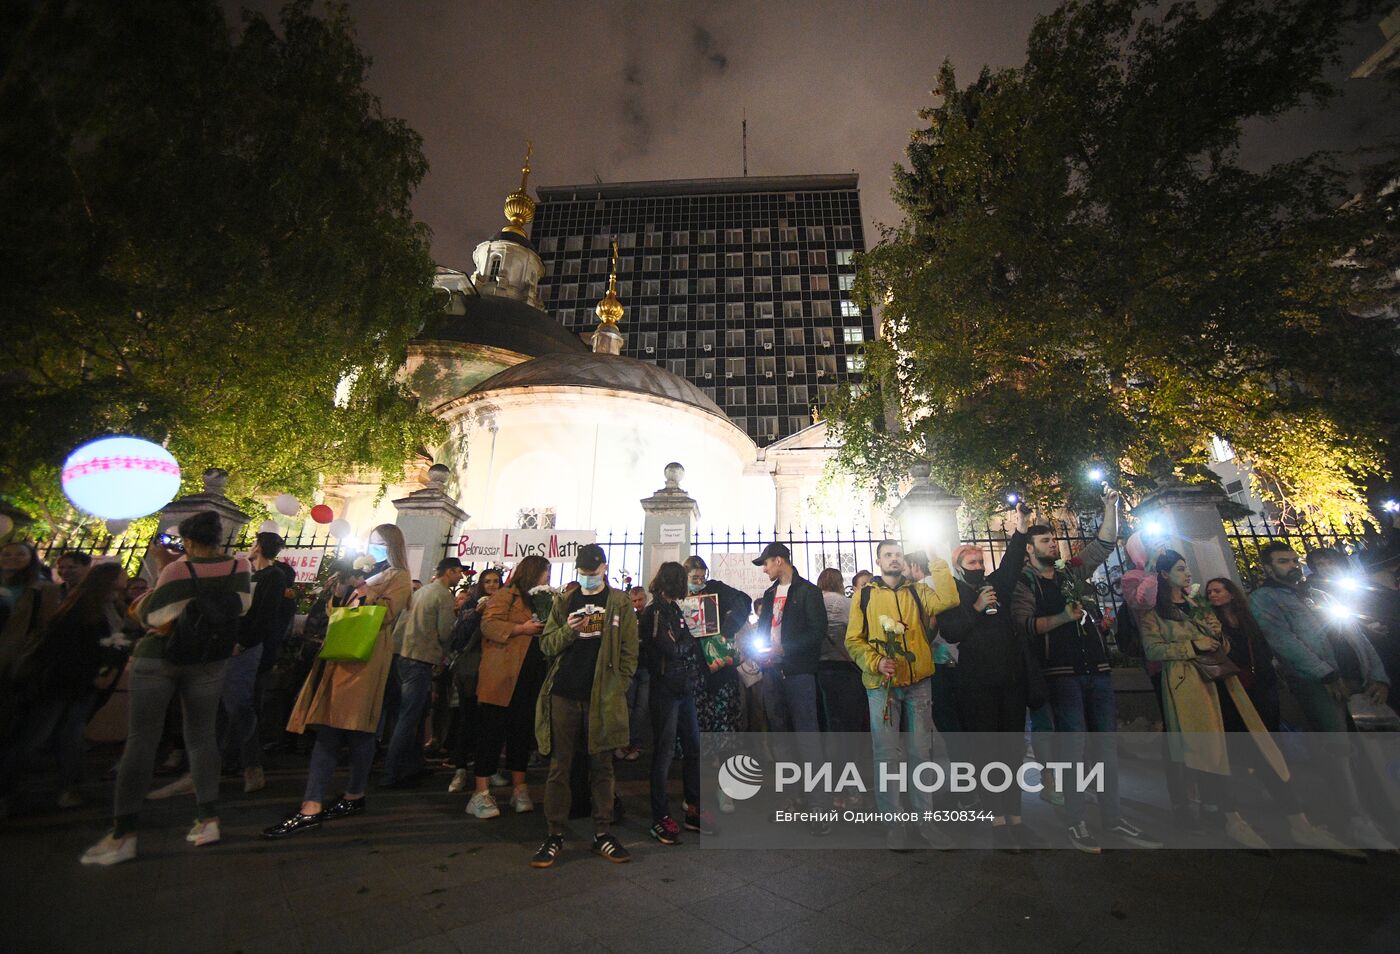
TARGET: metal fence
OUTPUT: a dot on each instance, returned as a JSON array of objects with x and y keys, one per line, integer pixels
[{"x": 1247, "y": 537}]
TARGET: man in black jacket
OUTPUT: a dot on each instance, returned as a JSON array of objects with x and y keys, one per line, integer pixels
[
  {"x": 793, "y": 614},
  {"x": 998, "y": 676}
]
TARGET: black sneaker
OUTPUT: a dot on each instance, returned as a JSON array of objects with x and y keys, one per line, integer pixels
[
  {"x": 610, "y": 848},
  {"x": 1027, "y": 837},
  {"x": 548, "y": 852},
  {"x": 1080, "y": 838},
  {"x": 667, "y": 831},
  {"x": 700, "y": 821},
  {"x": 1004, "y": 840},
  {"x": 1133, "y": 835}
]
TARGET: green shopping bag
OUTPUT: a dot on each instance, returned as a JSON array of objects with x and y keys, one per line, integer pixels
[{"x": 352, "y": 632}]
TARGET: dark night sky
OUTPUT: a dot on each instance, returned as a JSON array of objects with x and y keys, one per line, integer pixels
[{"x": 634, "y": 90}]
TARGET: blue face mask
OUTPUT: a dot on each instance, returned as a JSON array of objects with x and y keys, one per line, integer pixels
[
  {"x": 378, "y": 551},
  {"x": 590, "y": 582},
  {"x": 693, "y": 588}
]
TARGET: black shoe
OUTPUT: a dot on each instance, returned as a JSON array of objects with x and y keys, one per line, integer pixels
[
  {"x": 1080, "y": 838},
  {"x": 1128, "y": 832},
  {"x": 1027, "y": 838},
  {"x": 548, "y": 852},
  {"x": 343, "y": 808},
  {"x": 1003, "y": 839},
  {"x": 610, "y": 848},
  {"x": 295, "y": 822}
]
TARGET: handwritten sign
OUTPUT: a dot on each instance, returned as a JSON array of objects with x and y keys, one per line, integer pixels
[
  {"x": 512, "y": 546},
  {"x": 306, "y": 563}
]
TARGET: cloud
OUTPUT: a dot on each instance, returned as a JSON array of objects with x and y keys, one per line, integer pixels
[{"x": 705, "y": 45}]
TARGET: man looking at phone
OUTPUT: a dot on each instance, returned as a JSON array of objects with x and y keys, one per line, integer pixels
[
  {"x": 995, "y": 681},
  {"x": 591, "y": 644},
  {"x": 1074, "y": 660}
]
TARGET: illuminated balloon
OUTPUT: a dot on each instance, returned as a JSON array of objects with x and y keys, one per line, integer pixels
[
  {"x": 340, "y": 529},
  {"x": 117, "y": 527},
  {"x": 119, "y": 478},
  {"x": 6, "y": 524},
  {"x": 287, "y": 505},
  {"x": 322, "y": 514},
  {"x": 269, "y": 526}
]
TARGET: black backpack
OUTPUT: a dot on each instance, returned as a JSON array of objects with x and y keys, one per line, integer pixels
[{"x": 207, "y": 628}]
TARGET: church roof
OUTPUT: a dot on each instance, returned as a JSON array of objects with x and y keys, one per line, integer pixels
[
  {"x": 506, "y": 235},
  {"x": 608, "y": 371},
  {"x": 501, "y": 322}
]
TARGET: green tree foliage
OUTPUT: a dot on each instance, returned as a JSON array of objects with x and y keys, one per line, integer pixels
[
  {"x": 207, "y": 232},
  {"x": 1086, "y": 271}
]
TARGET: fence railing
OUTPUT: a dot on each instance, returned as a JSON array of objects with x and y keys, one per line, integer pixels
[{"x": 1247, "y": 537}]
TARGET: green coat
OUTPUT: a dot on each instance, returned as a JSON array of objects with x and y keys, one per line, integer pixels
[{"x": 608, "y": 722}]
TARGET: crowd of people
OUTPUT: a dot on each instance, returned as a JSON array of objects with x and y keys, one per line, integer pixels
[{"x": 498, "y": 673}]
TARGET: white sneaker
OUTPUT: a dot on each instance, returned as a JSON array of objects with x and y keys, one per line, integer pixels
[
  {"x": 184, "y": 785},
  {"x": 254, "y": 780},
  {"x": 1307, "y": 835},
  {"x": 1241, "y": 833},
  {"x": 68, "y": 798},
  {"x": 726, "y": 804},
  {"x": 203, "y": 833},
  {"x": 459, "y": 781},
  {"x": 499, "y": 780},
  {"x": 1365, "y": 834},
  {"x": 482, "y": 805},
  {"x": 520, "y": 801},
  {"x": 174, "y": 760},
  {"x": 110, "y": 851}
]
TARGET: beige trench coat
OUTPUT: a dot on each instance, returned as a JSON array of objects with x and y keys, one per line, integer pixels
[
  {"x": 1191, "y": 704},
  {"x": 502, "y": 655},
  {"x": 349, "y": 695}
]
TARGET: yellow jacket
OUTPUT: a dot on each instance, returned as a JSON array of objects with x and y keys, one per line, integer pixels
[{"x": 900, "y": 604}]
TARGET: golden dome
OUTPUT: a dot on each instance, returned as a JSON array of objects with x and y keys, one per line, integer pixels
[
  {"x": 609, "y": 310},
  {"x": 520, "y": 208}
]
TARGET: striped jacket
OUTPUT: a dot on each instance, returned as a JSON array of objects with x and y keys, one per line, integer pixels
[{"x": 158, "y": 609}]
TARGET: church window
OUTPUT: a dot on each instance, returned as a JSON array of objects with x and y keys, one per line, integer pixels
[
  {"x": 495, "y": 272},
  {"x": 536, "y": 518}
]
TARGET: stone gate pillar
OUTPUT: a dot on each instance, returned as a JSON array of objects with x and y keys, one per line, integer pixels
[
  {"x": 210, "y": 498},
  {"x": 427, "y": 518},
  {"x": 670, "y": 524},
  {"x": 1189, "y": 518}
]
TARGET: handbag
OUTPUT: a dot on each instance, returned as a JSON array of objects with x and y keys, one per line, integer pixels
[
  {"x": 352, "y": 633},
  {"x": 1215, "y": 664}
]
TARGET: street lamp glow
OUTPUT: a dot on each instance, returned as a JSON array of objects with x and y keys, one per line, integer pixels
[{"x": 1096, "y": 473}]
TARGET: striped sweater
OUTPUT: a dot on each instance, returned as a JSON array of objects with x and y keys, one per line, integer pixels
[{"x": 159, "y": 608}]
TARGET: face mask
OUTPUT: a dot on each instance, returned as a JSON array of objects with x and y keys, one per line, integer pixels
[
  {"x": 590, "y": 582},
  {"x": 378, "y": 551},
  {"x": 974, "y": 578},
  {"x": 693, "y": 588}
]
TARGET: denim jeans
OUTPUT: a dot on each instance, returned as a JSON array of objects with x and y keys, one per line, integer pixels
[
  {"x": 151, "y": 686},
  {"x": 673, "y": 715},
  {"x": 405, "y": 754},
  {"x": 843, "y": 698},
  {"x": 1086, "y": 718},
  {"x": 790, "y": 706},
  {"x": 326, "y": 753},
  {"x": 59, "y": 722},
  {"x": 638, "y": 709},
  {"x": 907, "y": 738},
  {"x": 240, "y": 710}
]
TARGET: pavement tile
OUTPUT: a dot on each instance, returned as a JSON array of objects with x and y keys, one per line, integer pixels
[
  {"x": 749, "y": 913},
  {"x": 821, "y": 934},
  {"x": 676, "y": 932}
]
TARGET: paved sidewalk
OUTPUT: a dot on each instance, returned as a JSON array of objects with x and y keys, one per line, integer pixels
[{"x": 416, "y": 874}]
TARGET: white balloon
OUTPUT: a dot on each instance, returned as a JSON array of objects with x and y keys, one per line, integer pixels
[
  {"x": 6, "y": 524},
  {"x": 120, "y": 477},
  {"x": 117, "y": 527},
  {"x": 340, "y": 529},
  {"x": 287, "y": 505},
  {"x": 269, "y": 526}
]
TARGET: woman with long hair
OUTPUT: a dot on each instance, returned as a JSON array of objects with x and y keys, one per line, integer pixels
[
  {"x": 508, "y": 685},
  {"x": 1198, "y": 710},
  {"x": 677, "y": 676},
  {"x": 342, "y": 700},
  {"x": 1248, "y": 649},
  {"x": 207, "y": 574},
  {"x": 466, "y": 643},
  {"x": 59, "y": 682}
]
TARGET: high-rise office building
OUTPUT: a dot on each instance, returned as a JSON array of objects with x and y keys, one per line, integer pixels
[{"x": 742, "y": 286}]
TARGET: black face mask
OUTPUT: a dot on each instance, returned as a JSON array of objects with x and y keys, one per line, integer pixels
[{"x": 974, "y": 578}]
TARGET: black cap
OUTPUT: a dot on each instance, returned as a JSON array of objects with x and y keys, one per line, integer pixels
[
  {"x": 448, "y": 563},
  {"x": 590, "y": 557},
  {"x": 773, "y": 550}
]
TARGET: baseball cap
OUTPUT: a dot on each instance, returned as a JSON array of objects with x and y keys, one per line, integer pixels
[
  {"x": 448, "y": 563},
  {"x": 773, "y": 550},
  {"x": 590, "y": 557}
]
